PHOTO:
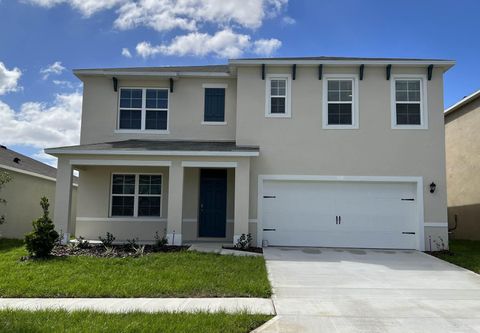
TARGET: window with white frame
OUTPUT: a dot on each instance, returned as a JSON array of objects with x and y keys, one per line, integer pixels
[
  {"x": 340, "y": 105},
  {"x": 143, "y": 109},
  {"x": 408, "y": 102},
  {"x": 278, "y": 96},
  {"x": 136, "y": 195}
]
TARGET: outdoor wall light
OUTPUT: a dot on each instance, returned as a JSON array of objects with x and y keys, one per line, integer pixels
[{"x": 433, "y": 186}]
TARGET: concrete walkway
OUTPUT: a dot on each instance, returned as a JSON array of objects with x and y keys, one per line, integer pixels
[
  {"x": 229, "y": 305},
  {"x": 353, "y": 290}
]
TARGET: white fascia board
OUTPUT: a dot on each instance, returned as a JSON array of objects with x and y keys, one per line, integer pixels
[
  {"x": 239, "y": 62},
  {"x": 461, "y": 102},
  {"x": 64, "y": 151},
  {"x": 152, "y": 73},
  {"x": 120, "y": 162},
  {"x": 208, "y": 164}
]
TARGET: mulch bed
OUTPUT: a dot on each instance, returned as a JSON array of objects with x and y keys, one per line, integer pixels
[
  {"x": 248, "y": 249},
  {"x": 114, "y": 251}
]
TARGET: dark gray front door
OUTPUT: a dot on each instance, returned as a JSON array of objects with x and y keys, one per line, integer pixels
[{"x": 213, "y": 203}]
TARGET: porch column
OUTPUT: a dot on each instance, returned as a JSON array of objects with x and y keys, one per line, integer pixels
[
  {"x": 242, "y": 194},
  {"x": 175, "y": 203},
  {"x": 63, "y": 198}
]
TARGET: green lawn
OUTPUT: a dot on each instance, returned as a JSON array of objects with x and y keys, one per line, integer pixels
[
  {"x": 464, "y": 253},
  {"x": 87, "y": 321},
  {"x": 175, "y": 274}
]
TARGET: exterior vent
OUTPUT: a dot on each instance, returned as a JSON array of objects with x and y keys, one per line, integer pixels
[
  {"x": 3, "y": 147},
  {"x": 16, "y": 160}
]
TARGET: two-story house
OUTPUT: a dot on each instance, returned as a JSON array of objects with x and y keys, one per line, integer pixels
[{"x": 321, "y": 151}]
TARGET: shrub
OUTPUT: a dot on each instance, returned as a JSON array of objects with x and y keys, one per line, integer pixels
[
  {"x": 42, "y": 239},
  {"x": 132, "y": 243},
  {"x": 108, "y": 240},
  {"x": 82, "y": 243},
  {"x": 244, "y": 242}
]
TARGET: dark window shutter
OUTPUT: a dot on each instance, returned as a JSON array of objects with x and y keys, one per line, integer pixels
[{"x": 214, "y": 104}]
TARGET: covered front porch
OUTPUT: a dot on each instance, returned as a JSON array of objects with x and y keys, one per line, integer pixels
[{"x": 186, "y": 191}]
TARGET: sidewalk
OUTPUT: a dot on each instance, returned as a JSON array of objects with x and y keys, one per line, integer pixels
[{"x": 229, "y": 305}]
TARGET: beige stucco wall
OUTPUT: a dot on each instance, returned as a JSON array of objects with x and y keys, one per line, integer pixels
[
  {"x": 298, "y": 145},
  {"x": 186, "y": 106},
  {"x": 93, "y": 203},
  {"x": 23, "y": 195},
  {"x": 462, "y": 138}
]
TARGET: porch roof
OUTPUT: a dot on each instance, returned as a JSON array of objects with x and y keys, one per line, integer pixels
[{"x": 159, "y": 147}]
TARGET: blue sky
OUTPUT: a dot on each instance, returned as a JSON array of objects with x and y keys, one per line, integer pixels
[{"x": 43, "y": 108}]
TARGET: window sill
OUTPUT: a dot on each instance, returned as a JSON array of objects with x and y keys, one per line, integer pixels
[
  {"x": 125, "y": 131},
  {"x": 340, "y": 127},
  {"x": 214, "y": 123},
  {"x": 121, "y": 219},
  {"x": 270, "y": 115},
  {"x": 409, "y": 127}
]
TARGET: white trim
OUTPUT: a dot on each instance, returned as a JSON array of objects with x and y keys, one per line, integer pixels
[
  {"x": 59, "y": 151},
  {"x": 407, "y": 179},
  {"x": 121, "y": 162},
  {"x": 461, "y": 102},
  {"x": 207, "y": 164},
  {"x": 30, "y": 173},
  {"x": 214, "y": 123},
  {"x": 101, "y": 72},
  {"x": 288, "y": 96},
  {"x": 436, "y": 224},
  {"x": 313, "y": 62},
  {"x": 355, "y": 92},
  {"x": 215, "y": 85},
  {"x": 136, "y": 194},
  {"x": 136, "y": 131},
  {"x": 143, "y": 111},
  {"x": 423, "y": 101},
  {"x": 120, "y": 219}
]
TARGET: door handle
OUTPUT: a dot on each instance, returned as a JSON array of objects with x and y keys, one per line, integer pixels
[
  {"x": 336, "y": 219},
  {"x": 339, "y": 220}
]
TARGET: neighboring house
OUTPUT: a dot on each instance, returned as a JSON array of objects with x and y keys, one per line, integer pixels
[
  {"x": 462, "y": 137},
  {"x": 296, "y": 151},
  {"x": 31, "y": 180}
]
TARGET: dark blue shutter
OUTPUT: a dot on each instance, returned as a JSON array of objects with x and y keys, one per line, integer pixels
[{"x": 214, "y": 104}]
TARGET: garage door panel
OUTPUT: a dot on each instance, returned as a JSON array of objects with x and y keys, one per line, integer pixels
[{"x": 373, "y": 214}]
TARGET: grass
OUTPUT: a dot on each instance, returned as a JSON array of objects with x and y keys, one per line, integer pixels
[
  {"x": 176, "y": 274},
  {"x": 464, "y": 253},
  {"x": 88, "y": 321}
]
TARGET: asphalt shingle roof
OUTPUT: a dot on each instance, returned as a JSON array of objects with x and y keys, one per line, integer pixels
[{"x": 16, "y": 160}]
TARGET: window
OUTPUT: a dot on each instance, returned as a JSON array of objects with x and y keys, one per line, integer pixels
[
  {"x": 278, "y": 96},
  {"x": 136, "y": 195},
  {"x": 214, "y": 105},
  {"x": 340, "y": 105},
  {"x": 407, "y": 97},
  {"x": 143, "y": 109}
]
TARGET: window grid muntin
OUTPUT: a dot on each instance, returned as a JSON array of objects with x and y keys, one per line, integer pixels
[
  {"x": 351, "y": 102},
  {"x": 420, "y": 102},
  {"x": 144, "y": 109},
  {"x": 136, "y": 194},
  {"x": 278, "y": 96},
  {"x": 209, "y": 92}
]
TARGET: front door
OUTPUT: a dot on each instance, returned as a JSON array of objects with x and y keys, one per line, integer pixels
[{"x": 213, "y": 203}]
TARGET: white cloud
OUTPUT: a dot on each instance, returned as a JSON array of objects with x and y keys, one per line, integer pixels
[
  {"x": 288, "y": 20},
  {"x": 63, "y": 83},
  {"x": 266, "y": 47},
  {"x": 9, "y": 79},
  {"x": 42, "y": 125},
  {"x": 56, "y": 69},
  {"x": 164, "y": 15},
  {"x": 224, "y": 43},
  {"x": 126, "y": 53},
  {"x": 86, "y": 7}
]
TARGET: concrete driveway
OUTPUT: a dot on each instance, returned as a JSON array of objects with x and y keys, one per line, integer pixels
[{"x": 350, "y": 290}]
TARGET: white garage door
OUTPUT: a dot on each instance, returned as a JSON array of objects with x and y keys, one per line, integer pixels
[{"x": 340, "y": 214}]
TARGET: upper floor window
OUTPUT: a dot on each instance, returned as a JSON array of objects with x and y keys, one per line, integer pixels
[
  {"x": 278, "y": 95},
  {"x": 408, "y": 102},
  {"x": 136, "y": 195},
  {"x": 143, "y": 109},
  {"x": 340, "y": 108},
  {"x": 214, "y": 104}
]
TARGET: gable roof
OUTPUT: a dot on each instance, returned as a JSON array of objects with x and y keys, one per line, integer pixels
[
  {"x": 462, "y": 102},
  {"x": 14, "y": 161}
]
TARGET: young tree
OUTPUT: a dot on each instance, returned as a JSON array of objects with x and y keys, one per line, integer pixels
[
  {"x": 42, "y": 239},
  {"x": 4, "y": 178}
]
